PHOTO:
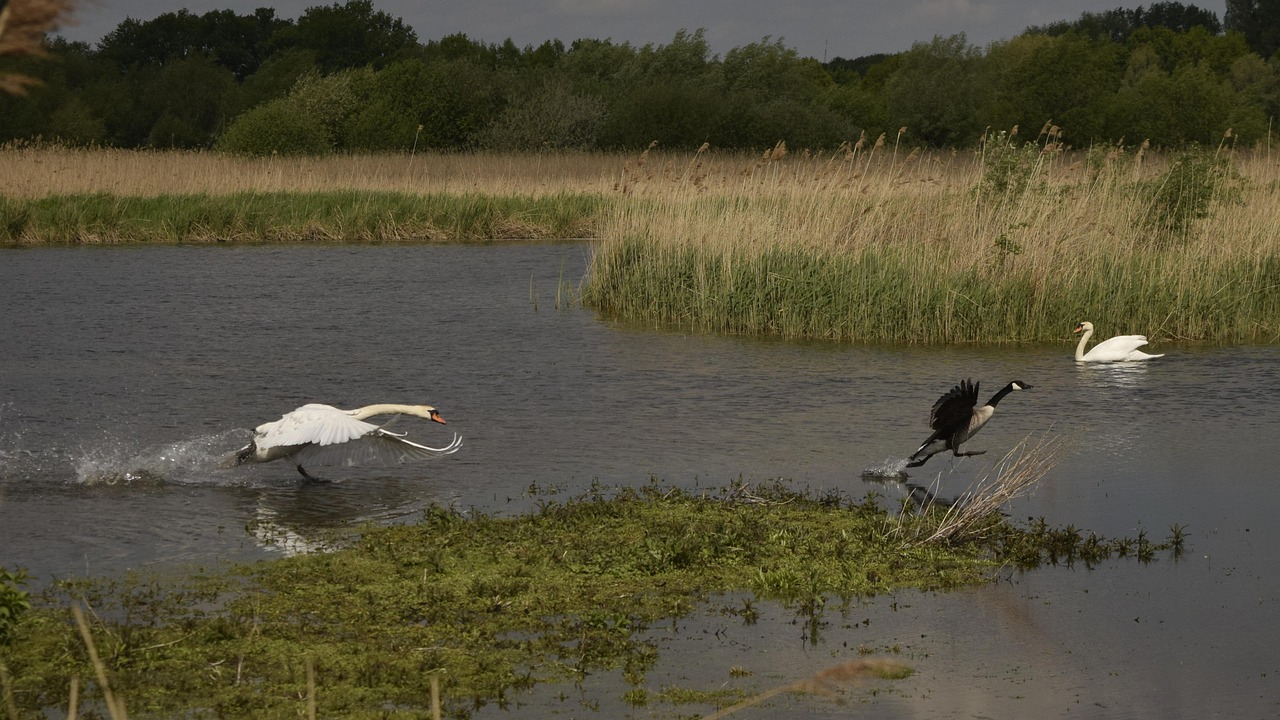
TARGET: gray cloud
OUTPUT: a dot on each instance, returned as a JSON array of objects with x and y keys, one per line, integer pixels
[{"x": 815, "y": 28}]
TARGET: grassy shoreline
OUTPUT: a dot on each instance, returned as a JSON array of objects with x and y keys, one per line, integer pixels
[
  {"x": 492, "y": 605},
  {"x": 1013, "y": 244},
  {"x": 294, "y": 217}
]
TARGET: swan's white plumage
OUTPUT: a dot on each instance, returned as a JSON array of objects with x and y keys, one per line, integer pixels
[
  {"x": 1117, "y": 349},
  {"x": 326, "y": 435},
  {"x": 313, "y": 423}
]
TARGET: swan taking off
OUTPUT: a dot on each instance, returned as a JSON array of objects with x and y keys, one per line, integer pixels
[
  {"x": 326, "y": 435},
  {"x": 1118, "y": 348},
  {"x": 954, "y": 419}
]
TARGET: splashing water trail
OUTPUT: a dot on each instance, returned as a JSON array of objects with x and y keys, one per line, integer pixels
[
  {"x": 889, "y": 469},
  {"x": 195, "y": 461}
]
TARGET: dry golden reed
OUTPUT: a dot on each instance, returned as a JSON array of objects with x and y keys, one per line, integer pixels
[
  {"x": 825, "y": 682},
  {"x": 858, "y": 245},
  {"x": 35, "y": 171},
  {"x": 23, "y": 24}
]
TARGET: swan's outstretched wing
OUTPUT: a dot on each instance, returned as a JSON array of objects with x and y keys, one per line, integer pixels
[
  {"x": 312, "y": 424},
  {"x": 376, "y": 448}
]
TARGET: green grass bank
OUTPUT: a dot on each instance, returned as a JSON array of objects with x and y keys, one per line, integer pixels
[
  {"x": 492, "y": 605},
  {"x": 349, "y": 216}
]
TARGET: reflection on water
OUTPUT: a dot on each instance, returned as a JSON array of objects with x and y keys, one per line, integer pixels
[{"x": 118, "y": 400}]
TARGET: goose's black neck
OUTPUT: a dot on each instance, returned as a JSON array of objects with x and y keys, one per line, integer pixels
[{"x": 1000, "y": 395}]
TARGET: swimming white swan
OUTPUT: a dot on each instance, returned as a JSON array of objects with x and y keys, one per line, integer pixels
[
  {"x": 954, "y": 419},
  {"x": 1118, "y": 348},
  {"x": 326, "y": 435}
]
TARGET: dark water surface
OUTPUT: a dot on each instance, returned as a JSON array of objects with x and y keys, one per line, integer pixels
[{"x": 126, "y": 374}]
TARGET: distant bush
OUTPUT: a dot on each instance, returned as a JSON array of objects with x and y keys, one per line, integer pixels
[
  {"x": 280, "y": 126},
  {"x": 1195, "y": 181},
  {"x": 552, "y": 117},
  {"x": 1008, "y": 169}
]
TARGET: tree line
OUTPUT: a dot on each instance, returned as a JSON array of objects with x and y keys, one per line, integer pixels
[{"x": 351, "y": 78}]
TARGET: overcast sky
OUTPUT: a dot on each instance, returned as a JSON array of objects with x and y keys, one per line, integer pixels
[{"x": 822, "y": 29}]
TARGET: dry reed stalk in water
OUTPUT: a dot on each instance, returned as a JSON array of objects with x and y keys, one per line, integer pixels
[
  {"x": 73, "y": 698},
  {"x": 435, "y": 696},
  {"x": 115, "y": 706},
  {"x": 824, "y": 682},
  {"x": 1015, "y": 475},
  {"x": 311, "y": 689}
]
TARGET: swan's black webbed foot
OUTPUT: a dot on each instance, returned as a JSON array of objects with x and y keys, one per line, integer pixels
[
  {"x": 918, "y": 463},
  {"x": 309, "y": 476},
  {"x": 246, "y": 452},
  {"x": 971, "y": 453}
]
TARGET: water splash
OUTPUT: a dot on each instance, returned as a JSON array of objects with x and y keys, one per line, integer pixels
[
  {"x": 889, "y": 469},
  {"x": 195, "y": 461}
]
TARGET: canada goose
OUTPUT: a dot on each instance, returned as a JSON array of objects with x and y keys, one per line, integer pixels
[
  {"x": 327, "y": 435},
  {"x": 1120, "y": 347},
  {"x": 954, "y": 419}
]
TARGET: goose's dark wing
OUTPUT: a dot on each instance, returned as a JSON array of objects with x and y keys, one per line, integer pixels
[{"x": 953, "y": 410}]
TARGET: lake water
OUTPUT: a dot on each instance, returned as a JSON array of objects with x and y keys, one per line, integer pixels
[{"x": 126, "y": 374}]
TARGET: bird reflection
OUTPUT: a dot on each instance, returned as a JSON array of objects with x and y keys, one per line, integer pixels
[
  {"x": 312, "y": 517},
  {"x": 1121, "y": 375}
]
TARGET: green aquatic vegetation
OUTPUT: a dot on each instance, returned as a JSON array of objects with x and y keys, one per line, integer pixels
[
  {"x": 335, "y": 217},
  {"x": 490, "y": 605},
  {"x": 14, "y": 600}
]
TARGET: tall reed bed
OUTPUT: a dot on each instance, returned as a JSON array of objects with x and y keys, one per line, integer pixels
[
  {"x": 40, "y": 170},
  {"x": 943, "y": 249}
]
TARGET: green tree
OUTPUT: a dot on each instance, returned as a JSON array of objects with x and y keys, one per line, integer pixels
[
  {"x": 1119, "y": 24},
  {"x": 1190, "y": 105},
  {"x": 278, "y": 75},
  {"x": 192, "y": 99},
  {"x": 334, "y": 100},
  {"x": 551, "y": 117},
  {"x": 452, "y": 101},
  {"x": 937, "y": 91},
  {"x": 351, "y": 35},
  {"x": 1258, "y": 21},
  {"x": 1068, "y": 79},
  {"x": 75, "y": 123}
]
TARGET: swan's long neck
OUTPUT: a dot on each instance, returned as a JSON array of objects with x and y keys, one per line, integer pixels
[
  {"x": 369, "y": 411},
  {"x": 1084, "y": 338}
]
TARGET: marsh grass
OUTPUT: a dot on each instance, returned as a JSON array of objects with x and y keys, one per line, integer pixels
[
  {"x": 1012, "y": 243},
  {"x": 336, "y": 216},
  {"x": 1003, "y": 246},
  {"x": 484, "y": 606}
]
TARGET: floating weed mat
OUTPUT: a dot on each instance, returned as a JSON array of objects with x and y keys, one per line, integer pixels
[{"x": 486, "y": 606}]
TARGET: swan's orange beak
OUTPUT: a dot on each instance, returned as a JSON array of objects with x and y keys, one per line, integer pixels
[
  {"x": 1078, "y": 329},
  {"x": 436, "y": 417}
]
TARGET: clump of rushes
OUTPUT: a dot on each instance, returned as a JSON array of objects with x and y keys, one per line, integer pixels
[
  {"x": 918, "y": 252},
  {"x": 491, "y": 605}
]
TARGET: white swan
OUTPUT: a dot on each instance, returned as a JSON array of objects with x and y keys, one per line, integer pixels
[
  {"x": 1118, "y": 348},
  {"x": 329, "y": 436}
]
